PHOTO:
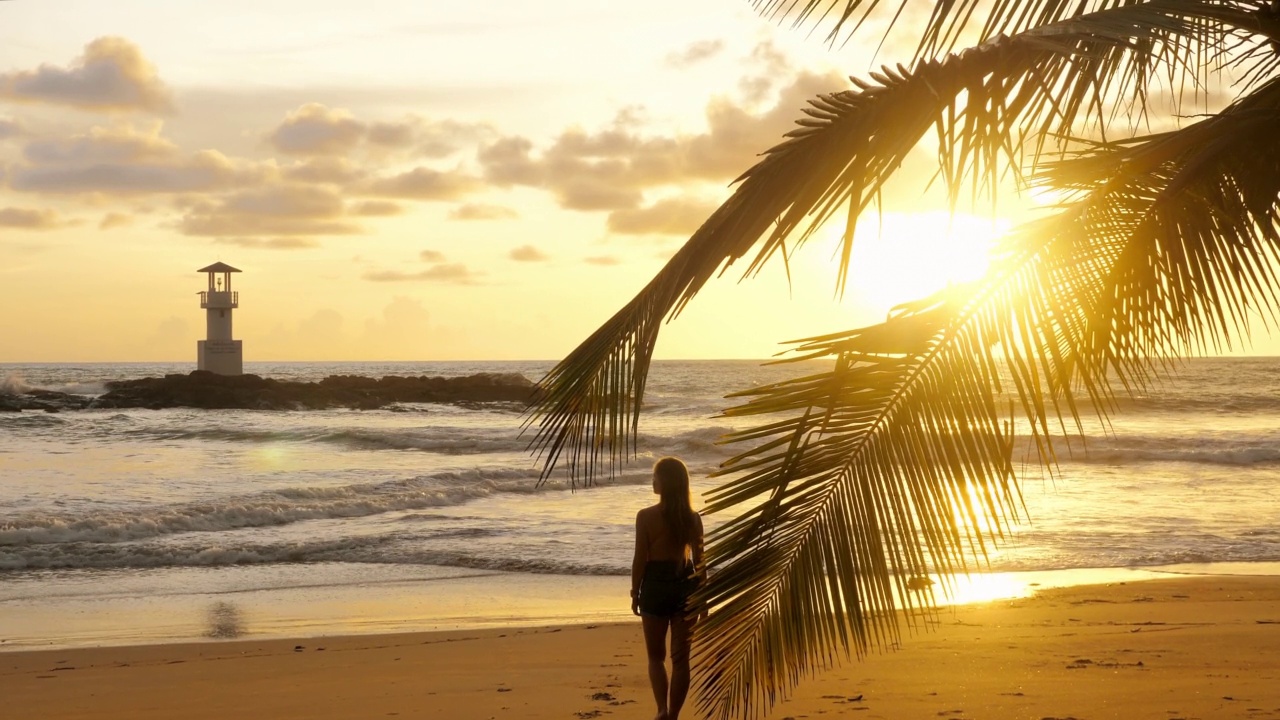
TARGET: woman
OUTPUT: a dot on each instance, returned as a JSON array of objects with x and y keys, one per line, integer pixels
[{"x": 666, "y": 567}]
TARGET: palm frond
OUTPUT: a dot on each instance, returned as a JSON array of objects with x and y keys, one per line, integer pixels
[
  {"x": 980, "y": 102},
  {"x": 895, "y": 463},
  {"x": 951, "y": 22}
]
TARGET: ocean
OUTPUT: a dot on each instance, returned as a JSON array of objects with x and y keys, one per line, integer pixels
[{"x": 121, "y": 526}]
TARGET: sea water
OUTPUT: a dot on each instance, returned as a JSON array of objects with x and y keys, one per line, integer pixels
[{"x": 138, "y": 525}]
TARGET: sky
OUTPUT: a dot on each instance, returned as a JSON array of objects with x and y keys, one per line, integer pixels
[{"x": 413, "y": 180}]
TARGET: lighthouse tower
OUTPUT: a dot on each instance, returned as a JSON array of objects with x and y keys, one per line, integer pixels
[{"x": 218, "y": 352}]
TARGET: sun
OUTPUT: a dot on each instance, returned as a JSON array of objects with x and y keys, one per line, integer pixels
[{"x": 898, "y": 257}]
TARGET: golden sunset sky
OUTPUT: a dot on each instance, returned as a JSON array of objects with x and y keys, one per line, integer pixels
[{"x": 412, "y": 180}]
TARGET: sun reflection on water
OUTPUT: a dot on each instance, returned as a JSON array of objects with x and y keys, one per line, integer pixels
[
  {"x": 273, "y": 456},
  {"x": 983, "y": 587}
]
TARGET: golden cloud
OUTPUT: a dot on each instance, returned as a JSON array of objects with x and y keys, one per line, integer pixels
[
  {"x": 281, "y": 210},
  {"x": 335, "y": 170},
  {"x": 695, "y": 53},
  {"x": 528, "y": 253},
  {"x": 111, "y": 75},
  {"x": 376, "y": 208},
  {"x": 423, "y": 183},
  {"x": 29, "y": 218},
  {"x": 124, "y": 161},
  {"x": 481, "y": 211},
  {"x": 315, "y": 129},
  {"x": 455, "y": 273},
  {"x": 669, "y": 216},
  {"x": 9, "y": 128},
  {"x": 280, "y": 243},
  {"x": 113, "y": 220},
  {"x": 610, "y": 169}
]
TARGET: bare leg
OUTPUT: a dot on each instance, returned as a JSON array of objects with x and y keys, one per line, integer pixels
[
  {"x": 680, "y": 626},
  {"x": 655, "y": 643}
]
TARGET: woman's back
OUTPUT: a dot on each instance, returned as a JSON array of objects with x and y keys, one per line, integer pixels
[{"x": 662, "y": 543}]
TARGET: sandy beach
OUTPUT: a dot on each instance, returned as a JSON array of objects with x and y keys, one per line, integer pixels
[{"x": 1196, "y": 647}]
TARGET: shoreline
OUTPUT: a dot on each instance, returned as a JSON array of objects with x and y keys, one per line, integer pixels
[
  {"x": 266, "y": 603},
  {"x": 1189, "y": 647}
]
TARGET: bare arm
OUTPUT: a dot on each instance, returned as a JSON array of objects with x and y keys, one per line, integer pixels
[{"x": 638, "y": 561}]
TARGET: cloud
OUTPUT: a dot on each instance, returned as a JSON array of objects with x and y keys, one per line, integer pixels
[
  {"x": 204, "y": 171},
  {"x": 422, "y": 183},
  {"x": 772, "y": 63},
  {"x": 283, "y": 210},
  {"x": 528, "y": 253},
  {"x": 669, "y": 216},
  {"x": 113, "y": 220},
  {"x": 509, "y": 161},
  {"x": 770, "y": 58},
  {"x": 480, "y": 211},
  {"x": 587, "y": 194},
  {"x": 612, "y": 168},
  {"x": 102, "y": 145},
  {"x": 376, "y": 208},
  {"x": 392, "y": 134},
  {"x": 695, "y": 53},
  {"x": 314, "y": 129},
  {"x": 604, "y": 260},
  {"x": 111, "y": 75},
  {"x": 431, "y": 256},
  {"x": 9, "y": 129},
  {"x": 428, "y": 138},
  {"x": 126, "y": 160},
  {"x": 456, "y": 273},
  {"x": 280, "y": 243},
  {"x": 29, "y": 219},
  {"x": 333, "y": 170}
]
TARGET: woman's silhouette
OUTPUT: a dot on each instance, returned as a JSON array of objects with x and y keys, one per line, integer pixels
[{"x": 666, "y": 568}]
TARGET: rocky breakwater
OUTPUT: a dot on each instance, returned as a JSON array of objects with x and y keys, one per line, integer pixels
[{"x": 206, "y": 390}]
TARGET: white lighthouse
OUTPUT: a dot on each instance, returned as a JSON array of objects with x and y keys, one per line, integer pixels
[{"x": 218, "y": 353}]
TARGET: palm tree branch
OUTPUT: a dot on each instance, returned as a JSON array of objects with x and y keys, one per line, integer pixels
[
  {"x": 764, "y": 552},
  {"x": 951, "y": 22}
]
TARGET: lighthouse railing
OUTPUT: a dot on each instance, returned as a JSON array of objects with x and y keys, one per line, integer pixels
[{"x": 219, "y": 299}]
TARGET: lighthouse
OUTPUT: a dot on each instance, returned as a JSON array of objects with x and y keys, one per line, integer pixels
[{"x": 218, "y": 353}]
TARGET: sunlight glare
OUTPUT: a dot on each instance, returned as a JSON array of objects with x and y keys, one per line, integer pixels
[
  {"x": 985, "y": 587},
  {"x": 273, "y": 456},
  {"x": 902, "y": 257}
]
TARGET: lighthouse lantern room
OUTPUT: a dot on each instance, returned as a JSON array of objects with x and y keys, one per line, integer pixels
[{"x": 218, "y": 353}]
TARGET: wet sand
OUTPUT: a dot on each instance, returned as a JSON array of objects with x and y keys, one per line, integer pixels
[{"x": 1197, "y": 647}]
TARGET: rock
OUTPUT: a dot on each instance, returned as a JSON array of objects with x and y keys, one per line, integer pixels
[
  {"x": 202, "y": 389},
  {"x": 46, "y": 400}
]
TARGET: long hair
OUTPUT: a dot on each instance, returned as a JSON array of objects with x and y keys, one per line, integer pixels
[{"x": 675, "y": 498}]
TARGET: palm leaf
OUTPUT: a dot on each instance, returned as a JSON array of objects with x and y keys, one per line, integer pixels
[
  {"x": 951, "y": 22},
  {"x": 896, "y": 462},
  {"x": 979, "y": 101}
]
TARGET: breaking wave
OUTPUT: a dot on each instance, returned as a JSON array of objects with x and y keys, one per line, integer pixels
[{"x": 275, "y": 508}]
